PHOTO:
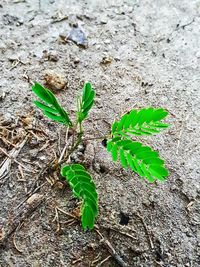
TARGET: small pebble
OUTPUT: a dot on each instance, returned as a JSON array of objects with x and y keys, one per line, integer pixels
[{"x": 55, "y": 81}]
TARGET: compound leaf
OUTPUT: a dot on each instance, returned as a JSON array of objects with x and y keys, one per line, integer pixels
[
  {"x": 141, "y": 159},
  {"x": 143, "y": 122},
  {"x": 83, "y": 188},
  {"x": 42, "y": 93},
  {"x": 86, "y": 102},
  {"x": 52, "y": 108},
  {"x": 45, "y": 108}
]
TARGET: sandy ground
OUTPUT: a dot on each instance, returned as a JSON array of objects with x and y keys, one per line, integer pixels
[{"x": 139, "y": 53}]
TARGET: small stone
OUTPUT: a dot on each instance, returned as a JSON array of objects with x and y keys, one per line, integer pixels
[
  {"x": 106, "y": 60},
  {"x": 54, "y": 80},
  {"x": 78, "y": 36},
  {"x": 50, "y": 55},
  {"x": 42, "y": 158},
  {"x": 13, "y": 58},
  {"x": 76, "y": 60},
  {"x": 107, "y": 41},
  {"x": 59, "y": 16},
  {"x": 104, "y": 21}
]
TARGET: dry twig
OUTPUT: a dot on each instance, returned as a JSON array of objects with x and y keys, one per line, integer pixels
[
  {"x": 110, "y": 248},
  {"x": 5, "y": 166},
  {"x": 14, "y": 239},
  {"x": 103, "y": 261},
  {"x": 104, "y": 241},
  {"x": 19, "y": 216},
  {"x": 146, "y": 230}
]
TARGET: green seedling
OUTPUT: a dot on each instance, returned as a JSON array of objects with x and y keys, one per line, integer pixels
[{"x": 143, "y": 160}]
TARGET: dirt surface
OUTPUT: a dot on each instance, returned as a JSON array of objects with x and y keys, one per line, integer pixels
[{"x": 136, "y": 54}]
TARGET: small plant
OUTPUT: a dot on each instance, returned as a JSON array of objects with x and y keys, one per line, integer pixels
[{"x": 141, "y": 159}]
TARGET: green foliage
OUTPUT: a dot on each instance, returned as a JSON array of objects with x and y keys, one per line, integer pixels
[
  {"x": 143, "y": 122},
  {"x": 141, "y": 159},
  {"x": 51, "y": 108},
  {"x": 83, "y": 188},
  {"x": 86, "y": 102}
]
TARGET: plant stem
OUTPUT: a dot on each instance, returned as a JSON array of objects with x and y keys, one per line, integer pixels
[
  {"x": 64, "y": 149},
  {"x": 76, "y": 144}
]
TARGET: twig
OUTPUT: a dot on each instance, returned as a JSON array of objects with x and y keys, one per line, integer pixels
[
  {"x": 15, "y": 63},
  {"x": 77, "y": 260},
  {"x": 118, "y": 230},
  {"x": 146, "y": 230},
  {"x": 26, "y": 77},
  {"x": 19, "y": 216},
  {"x": 12, "y": 156},
  {"x": 56, "y": 218},
  {"x": 96, "y": 259},
  {"x": 67, "y": 213},
  {"x": 105, "y": 241},
  {"x": 44, "y": 146},
  {"x": 65, "y": 147},
  {"x": 73, "y": 148},
  {"x": 14, "y": 239},
  {"x": 103, "y": 261},
  {"x": 110, "y": 248},
  {"x": 21, "y": 173},
  {"x": 6, "y": 141},
  {"x": 68, "y": 222},
  {"x": 40, "y": 174}
]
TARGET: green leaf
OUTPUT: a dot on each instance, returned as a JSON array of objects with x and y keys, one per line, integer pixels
[
  {"x": 123, "y": 158},
  {"x": 86, "y": 102},
  {"x": 86, "y": 110},
  {"x": 83, "y": 188},
  {"x": 122, "y": 122},
  {"x": 86, "y": 91},
  {"x": 159, "y": 114},
  {"x": 131, "y": 162},
  {"x": 114, "y": 152},
  {"x": 87, "y": 217},
  {"x": 42, "y": 93},
  {"x": 44, "y": 107},
  {"x": 51, "y": 108},
  {"x": 114, "y": 126},
  {"x": 54, "y": 117},
  {"x": 158, "y": 171},
  {"x": 77, "y": 167},
  {"x": 161, "y": 125},
  {"x": 141, "y": 159},
  {"x": 89, "y": 100},
  {"x": 143, "y": 122},
  {"x": 146, "y": 172}
]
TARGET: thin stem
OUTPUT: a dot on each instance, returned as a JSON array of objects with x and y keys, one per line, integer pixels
[
  {"x": 66, "y": 145},
  {"x": 73, "y": 148}
]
